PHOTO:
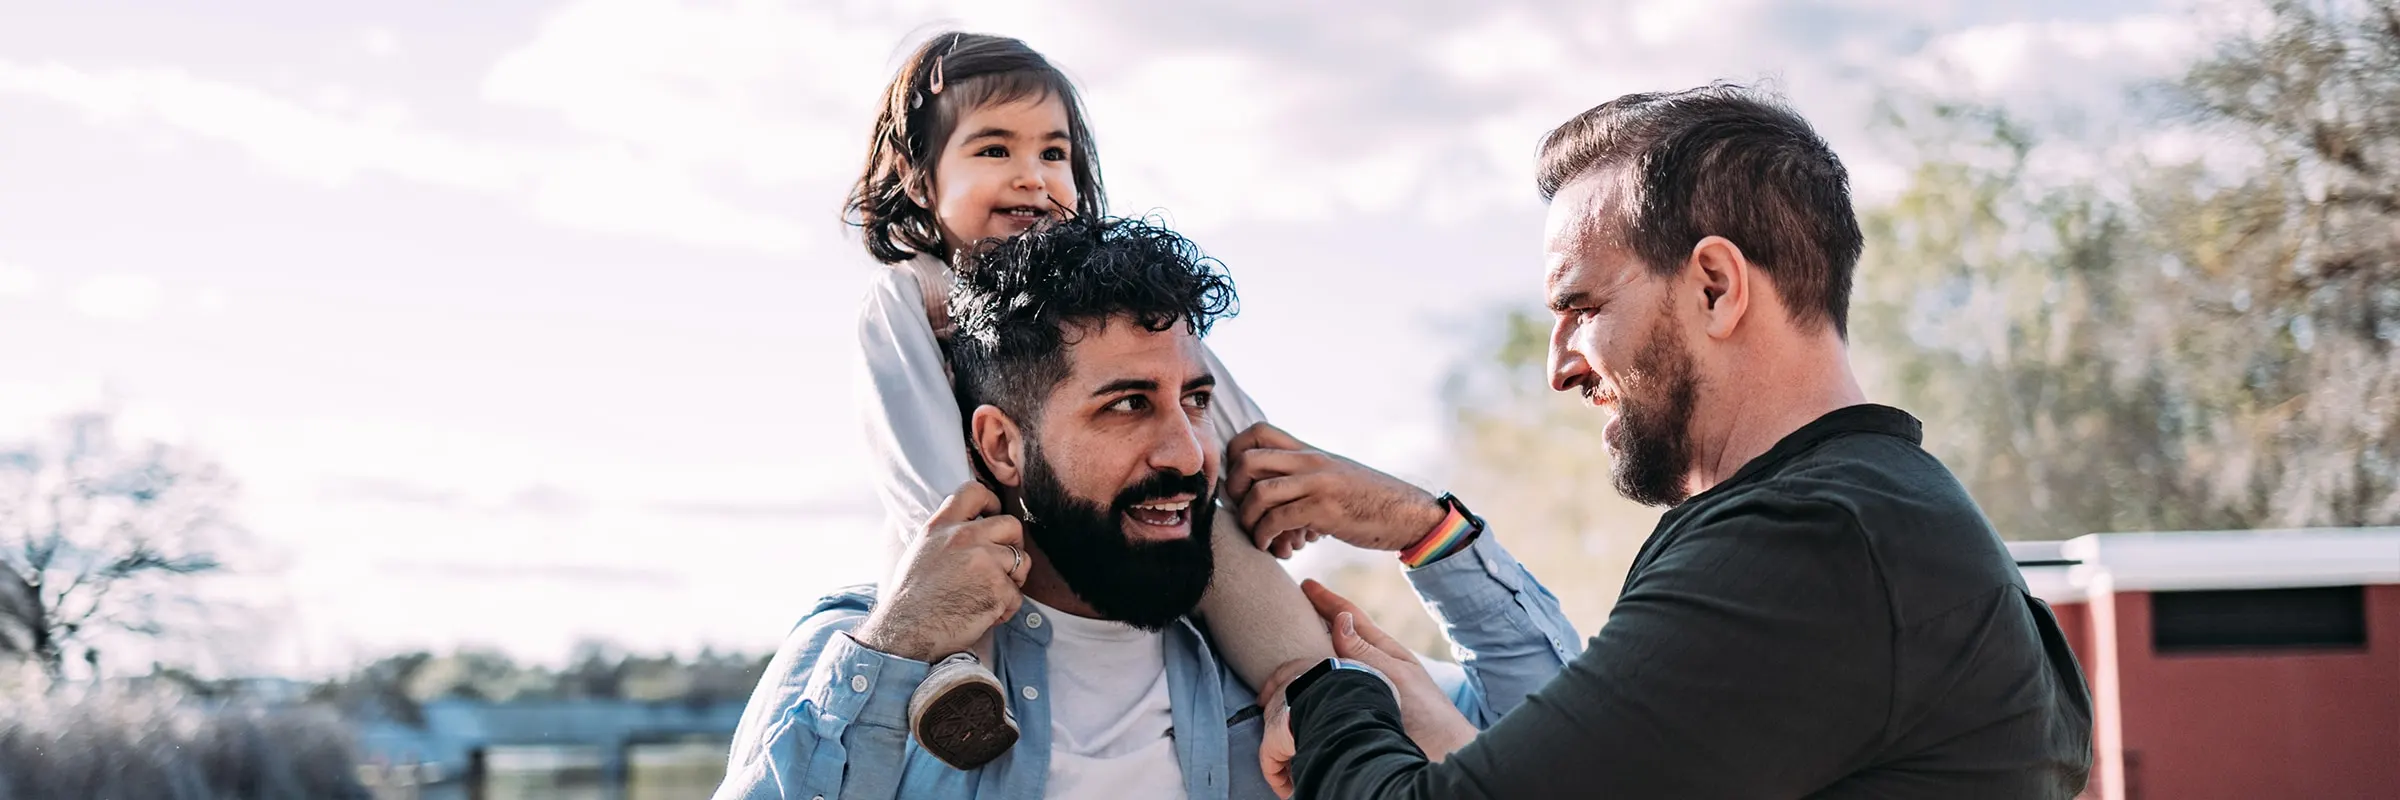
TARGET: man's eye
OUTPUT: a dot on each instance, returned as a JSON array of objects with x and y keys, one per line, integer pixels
[
  {"x": 1129, "y": 403},
  {"x": 1199, "y": 400}
]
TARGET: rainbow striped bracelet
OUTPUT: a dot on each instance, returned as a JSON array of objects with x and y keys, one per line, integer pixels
[{"x": 1457, "y": 530}]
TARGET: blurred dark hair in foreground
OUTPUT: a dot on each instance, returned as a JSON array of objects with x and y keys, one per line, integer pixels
[{"x": 157, "y": 745}]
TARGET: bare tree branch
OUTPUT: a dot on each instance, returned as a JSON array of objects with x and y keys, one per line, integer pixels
[{"x": 107, "y": 533}]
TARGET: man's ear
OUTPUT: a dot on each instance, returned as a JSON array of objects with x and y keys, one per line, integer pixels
[
  {"x": 1725, "y": 276},
  {"x": 1001, "y": 444}
]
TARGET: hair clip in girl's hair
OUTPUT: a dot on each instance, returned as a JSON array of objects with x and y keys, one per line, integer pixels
[{"x": 937, "y": 64}]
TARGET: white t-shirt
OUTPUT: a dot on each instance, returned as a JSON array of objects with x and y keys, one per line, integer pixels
[{"x": 1109, "y": 716}]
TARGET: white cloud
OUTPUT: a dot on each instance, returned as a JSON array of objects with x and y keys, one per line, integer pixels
[
  {"x": 1664, "y": 23},
  {"x": 341, "y": 138},
  {"x": 380, "y": 43},
  {"x": 321, "y": 145},
  {"x": 2027, "y": 62},
  {"x": 119, "y": 297},
  {"x": 16, "y": 281},
  {"x": 1508, "y": 46},
  {"x": 709, "y": 124}
]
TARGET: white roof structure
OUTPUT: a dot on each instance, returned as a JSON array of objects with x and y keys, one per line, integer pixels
[{"x": 2185, "y": 560}]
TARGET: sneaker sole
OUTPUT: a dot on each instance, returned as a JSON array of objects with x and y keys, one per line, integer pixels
[{"x": 966, "y": 724}]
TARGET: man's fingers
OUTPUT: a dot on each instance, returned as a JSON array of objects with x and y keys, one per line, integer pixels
[
  {"x": 1275, "y": 753},
  {"x": 1251, "y": 466},
  {"x": 1274, "y": 437},
  {"x": 1278, "y": 545},
  {"x": 1013, "y": 562},
  {"x": 970, "y": 501},
  {"x": 1266, "y": 495},
  {"x": 1348, "y": 644},
  {"x": 1010, "y": 604},
  {"x": 1327, "y": 601},
  {"x": 1331, "y": 605},
  {"x": 1261, "y": 435},
  {"x": 1001, "y": 530},
  {"x": 1290, "y": 517}
]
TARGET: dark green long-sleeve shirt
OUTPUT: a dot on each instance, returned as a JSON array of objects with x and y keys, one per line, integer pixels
[{"x": 1837, "y": 620}]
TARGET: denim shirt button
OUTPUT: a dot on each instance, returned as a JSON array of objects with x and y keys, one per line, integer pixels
[
  {"x": 858, "y": 683},
  {"x": 1032, "y": 693}
]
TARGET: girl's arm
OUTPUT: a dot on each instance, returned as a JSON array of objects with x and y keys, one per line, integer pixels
[{"x": 916, "y": 437}]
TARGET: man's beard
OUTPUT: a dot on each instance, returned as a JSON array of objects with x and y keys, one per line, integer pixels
[
  {"x": 1144, "y": 584},
  {"x": 1652, "y": 442}
]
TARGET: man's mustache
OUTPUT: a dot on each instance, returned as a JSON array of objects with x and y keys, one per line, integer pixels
[{"x": 1162, "y": 484}]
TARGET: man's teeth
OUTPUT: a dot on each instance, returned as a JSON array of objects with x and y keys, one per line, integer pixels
[{"x": 1165, "y": 508}]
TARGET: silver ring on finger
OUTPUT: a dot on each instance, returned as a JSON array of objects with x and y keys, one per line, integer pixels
[{"x": 1017, "y": 559}]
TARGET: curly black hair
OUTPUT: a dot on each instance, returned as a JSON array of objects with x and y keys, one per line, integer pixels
[{"x": 1017, "y": 301}]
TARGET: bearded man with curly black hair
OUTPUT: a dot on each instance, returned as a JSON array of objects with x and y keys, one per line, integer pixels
[{"x": 1098, "y": 423}]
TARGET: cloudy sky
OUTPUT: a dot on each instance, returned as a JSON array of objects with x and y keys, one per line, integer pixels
[{"x": 528, "y": 321}]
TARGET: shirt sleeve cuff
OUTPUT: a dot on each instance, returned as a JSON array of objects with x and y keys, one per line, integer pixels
[
  {"x": 864, "y": 685},
  {"x": 1479, "y": 579}
]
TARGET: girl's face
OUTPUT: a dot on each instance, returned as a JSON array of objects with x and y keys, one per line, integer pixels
[{"x": 1005, "y": 169}]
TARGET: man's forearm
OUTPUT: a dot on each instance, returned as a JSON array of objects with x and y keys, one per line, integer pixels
[
  {"x": 1511, "y": 632},
  {"x": 1351, "y": 743}
]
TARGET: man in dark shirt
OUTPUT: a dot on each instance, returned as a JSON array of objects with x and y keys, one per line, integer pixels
[{"x": 1823, "y": 613}]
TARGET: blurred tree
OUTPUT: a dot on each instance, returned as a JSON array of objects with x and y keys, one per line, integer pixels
[
  {"x": 397, "y": 686},
  {"x": 2198, "y": 344},
  {"x": 2287, "y": 266},
  {"x": 476, "y": 673},
  {"x": 101, "y": 535},
  {"x": 375, "y": 689},
  {"x": 2016, "y": 320}
]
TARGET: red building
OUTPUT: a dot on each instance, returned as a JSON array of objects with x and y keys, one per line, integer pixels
[{"x": 2259, "y": 664}]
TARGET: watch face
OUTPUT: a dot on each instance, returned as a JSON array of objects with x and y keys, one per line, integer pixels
[
  {"x": 1300, "y": 684},
  {"x": 1463, "y": 511}
]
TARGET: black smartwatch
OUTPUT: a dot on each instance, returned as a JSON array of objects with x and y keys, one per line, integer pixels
[{"x": 1326, "y": 667}]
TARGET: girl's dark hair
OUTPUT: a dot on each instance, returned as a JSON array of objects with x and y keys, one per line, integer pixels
[{"x": 917, "y": 118}]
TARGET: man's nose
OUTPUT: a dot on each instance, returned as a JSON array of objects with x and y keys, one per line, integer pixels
[
  {"x": 1182, "y": 446},
  {"x": 1567, "y": 369}
]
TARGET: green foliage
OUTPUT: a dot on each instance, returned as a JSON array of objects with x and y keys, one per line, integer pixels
[{"x": 2177, "y": 344}]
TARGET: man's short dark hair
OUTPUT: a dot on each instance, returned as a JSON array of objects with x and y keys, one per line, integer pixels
[
  {"x": 1722, "y": 160},
  {"x": 1019, "y": 302}
]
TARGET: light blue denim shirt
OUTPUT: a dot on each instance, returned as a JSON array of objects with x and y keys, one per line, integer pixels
[{"x": 829, "y": 721}]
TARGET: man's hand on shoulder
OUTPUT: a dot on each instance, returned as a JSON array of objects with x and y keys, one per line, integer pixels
[
  {"x": 960, "y": 579},
  {"x": 1284, "y": 490}
]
